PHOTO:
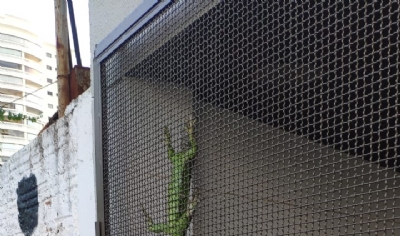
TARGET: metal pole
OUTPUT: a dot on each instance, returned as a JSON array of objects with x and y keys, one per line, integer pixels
[
  {"x": 74, "y": 32},
  {"x": 63, "y": 69}
]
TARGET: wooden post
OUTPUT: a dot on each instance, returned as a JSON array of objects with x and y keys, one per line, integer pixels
[{"x": 63, "y": 69}]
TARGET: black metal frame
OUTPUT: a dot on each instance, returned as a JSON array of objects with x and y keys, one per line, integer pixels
[
  {"x": 130, "y": 25},
  {"x": 140, "y": 18}
]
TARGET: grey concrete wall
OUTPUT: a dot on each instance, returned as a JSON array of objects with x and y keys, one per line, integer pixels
[
  {"x": 258, "y": 180},
  {"x": 138, "y": 167},
  {"x": 251, "y": 179}
]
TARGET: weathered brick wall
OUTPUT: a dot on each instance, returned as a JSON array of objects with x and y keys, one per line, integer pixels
[{"x": 61, "y": 160}]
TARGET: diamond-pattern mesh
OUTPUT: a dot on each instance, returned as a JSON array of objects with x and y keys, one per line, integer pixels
[{"x": 296, "y": 110}]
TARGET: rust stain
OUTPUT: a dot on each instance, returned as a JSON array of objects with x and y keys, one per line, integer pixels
[{"x": 59, "y": 45}]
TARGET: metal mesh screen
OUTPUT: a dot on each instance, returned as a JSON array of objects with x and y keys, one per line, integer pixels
[{"x": 255, "y": 118}]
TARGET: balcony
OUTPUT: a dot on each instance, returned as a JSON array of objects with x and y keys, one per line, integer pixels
[
  {"x": 13, "y": 86},
  {"x": 30, "y": 127},
  {"x": 12, "y": 72},
  {"x": 28, "y": 47},
  {"x": 8, "y": 98},
  {"x": 38, "y": 79},
  {"x": 13, "y": 126},
  {"x": 13, "y": 139},
  {"x": 16, "y": 87},
  {"x": 34, "y": 102},
  {"x": 21, "y": 60},
  {"x": 11, "y": 58}
]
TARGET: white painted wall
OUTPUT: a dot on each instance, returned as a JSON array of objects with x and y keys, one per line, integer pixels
[
  {"x": 105, "y": 16},
  {"x": 62, "y": 161},
  {"x": 62, "y": 157}
]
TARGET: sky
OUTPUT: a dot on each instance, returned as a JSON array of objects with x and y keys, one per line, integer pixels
[{"x": 41, "y": 14}]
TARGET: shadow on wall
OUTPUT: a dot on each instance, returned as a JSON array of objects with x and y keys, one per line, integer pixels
[
  {"x": 255, "y": 179},
  {"x": 251, "y": 178},
  {"x": 326, "y": 71}
]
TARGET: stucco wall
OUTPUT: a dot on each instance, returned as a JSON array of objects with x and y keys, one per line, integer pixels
[
  {"x": 251, "y": 178},
  {"x": 61, "y": 160},
  {"x": 259, "y": 180},
  {"x": 104, "y": 16}
]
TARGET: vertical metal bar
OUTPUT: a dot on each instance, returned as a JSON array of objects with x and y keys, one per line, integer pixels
[
  {"x": 98, "y": 144},
  {"x": 69, "y": 56},
  {"x": 98, "y": 231},
  {"x": 74, "y": 32},
  {"x": 60, "y": 8}
]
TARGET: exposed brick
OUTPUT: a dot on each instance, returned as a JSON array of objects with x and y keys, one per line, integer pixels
[{"x": 79, "y": 81}]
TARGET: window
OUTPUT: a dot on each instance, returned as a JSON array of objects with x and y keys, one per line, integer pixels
[
  {"x": 18, "y": 40},
  {"x": 11, "y": 146},
  {"x": 48, "y": 55},
  {"x": 12, "y": 38},
  {"x": 32, "y": 71},
  {"x": 10, "y": 65},
  {"x": 32, "y": 57},
  {"x": 10, "y": 79},
  {"x": 49, "y": 93},
  {"x": 49, "y": 67},
  {"x": 10, "y": 51},
  {"x": 14, "y": 133},
  {"x": 49, "y": 80},
  {"x": 7, "y": 105}
]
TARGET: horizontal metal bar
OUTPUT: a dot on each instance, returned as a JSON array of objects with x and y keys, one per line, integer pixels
[{"x": 138, "y": 18}]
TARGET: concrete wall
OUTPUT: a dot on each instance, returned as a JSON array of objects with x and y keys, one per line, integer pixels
[
  {"x": 61, "y": 161},
  {"x": 251, "y": 178},
  {"x": 137, "y": 154},
  {"x": 259, "y": 180},
  {"x": 105, "y": 16}
]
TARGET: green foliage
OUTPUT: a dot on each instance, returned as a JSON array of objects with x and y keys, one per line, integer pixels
[
  {"x": 2, "y": 112},
  {"x": 16, "y": 117}
]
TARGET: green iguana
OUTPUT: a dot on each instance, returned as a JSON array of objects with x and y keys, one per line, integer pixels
[{"x": 180, "y": 206}]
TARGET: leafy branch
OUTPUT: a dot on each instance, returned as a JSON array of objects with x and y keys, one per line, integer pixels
[{"x": 16, "y": 117}]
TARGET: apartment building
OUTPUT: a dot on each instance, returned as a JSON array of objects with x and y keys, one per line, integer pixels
[{"x": 27, "y": 82}]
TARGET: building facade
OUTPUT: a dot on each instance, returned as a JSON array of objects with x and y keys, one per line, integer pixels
[{"x": 27, "y": 64}]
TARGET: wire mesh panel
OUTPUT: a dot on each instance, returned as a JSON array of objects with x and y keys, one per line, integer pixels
[{"x": 255, "y": 118}]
